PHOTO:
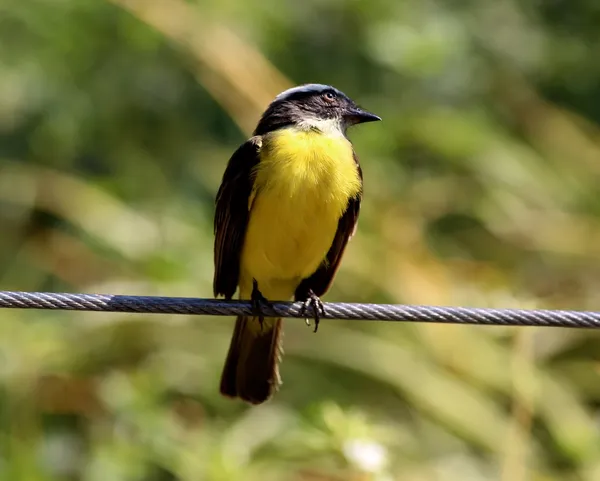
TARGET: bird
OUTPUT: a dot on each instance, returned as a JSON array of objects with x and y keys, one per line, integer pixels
[{"x": 288, "y": 204}]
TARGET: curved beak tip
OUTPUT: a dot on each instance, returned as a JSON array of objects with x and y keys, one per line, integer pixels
[
  {"x": 361, "y": 116},
  {"x": 373, "y": 117}
]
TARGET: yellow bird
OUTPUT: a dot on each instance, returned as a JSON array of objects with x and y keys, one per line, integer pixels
[{"x": 285, "y": 210}]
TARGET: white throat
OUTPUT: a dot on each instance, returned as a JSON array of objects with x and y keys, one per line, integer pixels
[{"x": 333, "y": 127}]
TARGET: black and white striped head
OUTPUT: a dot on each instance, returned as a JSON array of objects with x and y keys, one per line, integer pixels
[{"x": 313, "y": 107}]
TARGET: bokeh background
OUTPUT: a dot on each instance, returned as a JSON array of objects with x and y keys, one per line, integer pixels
[{"x": 117, "y": 119}]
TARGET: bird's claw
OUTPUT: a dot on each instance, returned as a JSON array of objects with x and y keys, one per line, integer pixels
[
  {"x": 313, "y": 301},
  {"x": 259, "y": 302}
]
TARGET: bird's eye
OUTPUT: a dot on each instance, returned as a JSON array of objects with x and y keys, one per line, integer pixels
[{"x": 329, "y": 96}]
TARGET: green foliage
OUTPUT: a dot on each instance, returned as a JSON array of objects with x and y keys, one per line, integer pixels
[{"x": 116, "y": 121}]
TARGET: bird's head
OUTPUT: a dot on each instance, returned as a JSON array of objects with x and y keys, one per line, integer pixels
[{"x": 313, "y": 107}]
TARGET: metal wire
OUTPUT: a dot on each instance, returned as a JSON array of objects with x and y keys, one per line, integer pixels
[{"x": 365, "y": 312}]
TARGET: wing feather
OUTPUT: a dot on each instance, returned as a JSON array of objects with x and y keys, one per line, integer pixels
[{"x": 231, "y": 216}]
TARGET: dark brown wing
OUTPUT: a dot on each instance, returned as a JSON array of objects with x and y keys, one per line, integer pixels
[
  {"x": 231, "y": 216},
  {"x": 321, "y": 280}
]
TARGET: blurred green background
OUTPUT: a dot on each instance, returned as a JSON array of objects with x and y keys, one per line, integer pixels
[{"x": 117, "y": 119}]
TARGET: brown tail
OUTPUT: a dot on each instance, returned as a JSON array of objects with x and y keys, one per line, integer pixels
[{"x": 251, "y": 369}]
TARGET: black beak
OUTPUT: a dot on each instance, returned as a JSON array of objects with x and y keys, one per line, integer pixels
[{"x": 356, "y": 115}]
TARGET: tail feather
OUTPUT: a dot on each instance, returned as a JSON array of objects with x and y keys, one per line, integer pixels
[{"x": 251, "y": 369}]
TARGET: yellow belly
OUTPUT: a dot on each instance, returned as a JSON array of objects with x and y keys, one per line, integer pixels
[{"x": 302, "y": 187}]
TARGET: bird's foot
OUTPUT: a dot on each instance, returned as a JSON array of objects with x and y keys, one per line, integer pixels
[
  {"x": 313, "y": 301},
  {"x": 259, "y": 302}
]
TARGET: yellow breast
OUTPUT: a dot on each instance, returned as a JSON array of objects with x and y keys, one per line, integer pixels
[{"x": 303, "y": 183}]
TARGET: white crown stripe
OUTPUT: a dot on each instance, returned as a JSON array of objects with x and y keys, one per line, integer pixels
[{"x": 307, "y": 88}]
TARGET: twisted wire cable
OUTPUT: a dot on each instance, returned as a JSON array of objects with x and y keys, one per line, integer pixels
[{"x": 349, "y": 311}]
